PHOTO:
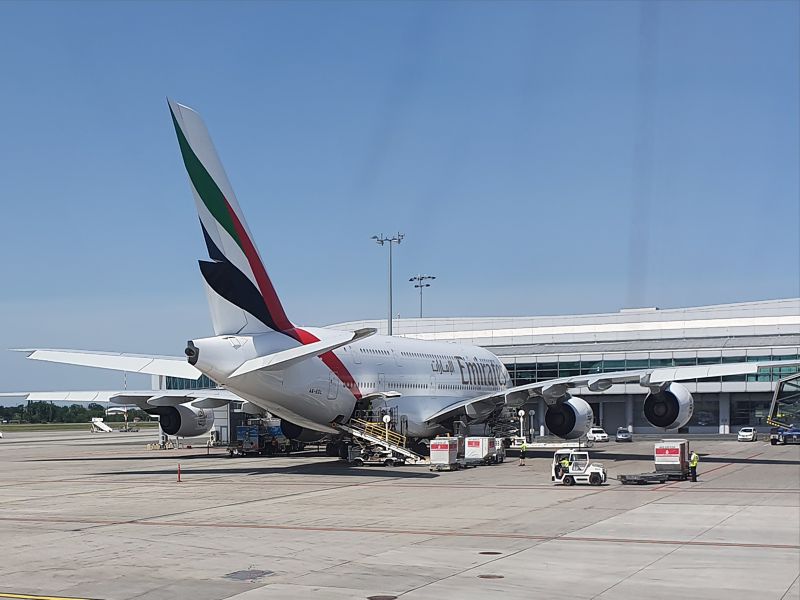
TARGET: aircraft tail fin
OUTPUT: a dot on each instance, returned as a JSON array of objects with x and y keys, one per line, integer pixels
[{"x": 240, "y": 294}]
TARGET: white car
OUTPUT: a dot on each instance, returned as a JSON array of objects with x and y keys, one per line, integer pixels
[
  {"x": 747, "y": 434},
  {"x": 597, "y": 434}
]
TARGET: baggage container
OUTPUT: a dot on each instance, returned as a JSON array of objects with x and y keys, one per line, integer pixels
[
  {"x": 480, "y": 450},
  {"x": 672, "y": 456},
  {"x": 444, "y": 454}
]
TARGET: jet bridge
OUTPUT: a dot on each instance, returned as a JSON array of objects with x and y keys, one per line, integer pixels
[{"x": 785, "y": 408}]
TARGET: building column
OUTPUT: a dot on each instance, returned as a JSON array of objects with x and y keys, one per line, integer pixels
[
  {"x": 725, "y": 412},
  {"x": 540, "y": 412},
  {"x": 629, "y": 412}
]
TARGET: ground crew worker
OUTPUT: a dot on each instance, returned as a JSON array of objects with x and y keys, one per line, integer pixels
[
  {"x": 522, "y": 451},
  {"x": 564, "y": 463},
  {"x": 693, "y": 460}
]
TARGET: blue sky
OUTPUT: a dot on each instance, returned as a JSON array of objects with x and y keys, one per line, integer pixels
[{"x": 508, "y": 141}]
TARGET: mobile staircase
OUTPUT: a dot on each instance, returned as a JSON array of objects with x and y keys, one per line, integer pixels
[
  {"x": 378, "y": 434},
  {"x": 99, "y": 427}
]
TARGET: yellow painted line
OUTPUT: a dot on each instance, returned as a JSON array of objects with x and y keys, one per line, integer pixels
[{"x": 32, "y": 597}]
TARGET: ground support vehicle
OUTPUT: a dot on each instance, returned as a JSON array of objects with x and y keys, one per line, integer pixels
[
  {"x": 580, "y": 470},
  {"x": 671, "y": 458},
  {"x": 260, "y": 437},
  {"x": 786, "y": 435},
  {"x": 358, "y": 456},
  {"x": 447, "y": 454}
]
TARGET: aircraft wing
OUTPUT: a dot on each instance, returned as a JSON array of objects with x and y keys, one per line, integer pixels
[
  {"x": 144, "y": 399},
  {"x": 552, "y": 390},
  {"x": 172, "y": 366},
  {"x": 480, "y": 407}
]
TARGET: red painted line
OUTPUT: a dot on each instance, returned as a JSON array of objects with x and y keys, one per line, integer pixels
[{"x": 390, "y": 531}]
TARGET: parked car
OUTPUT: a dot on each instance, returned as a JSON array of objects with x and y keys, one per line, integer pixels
[
  {"x": 623, "y": 435},
  {"x": 597, "y": 434},
  {"x": 747, "y": 434}
]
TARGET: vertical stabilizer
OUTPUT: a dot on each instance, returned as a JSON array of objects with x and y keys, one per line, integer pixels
[{"x": 241, "y": 297}]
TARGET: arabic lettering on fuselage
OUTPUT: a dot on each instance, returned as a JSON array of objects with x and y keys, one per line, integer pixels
[{"x": 441, "y": 367}]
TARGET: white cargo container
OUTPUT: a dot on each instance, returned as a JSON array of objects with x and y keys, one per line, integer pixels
[
  {"x": 444, "y": 454},
  {"x": 672, "y": 456},
  {"x": 480, "y": 450}
]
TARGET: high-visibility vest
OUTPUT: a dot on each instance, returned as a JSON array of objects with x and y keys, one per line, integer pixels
[
  {"x": 694, "y": 459},
  {"x": 565, "y": 463}
]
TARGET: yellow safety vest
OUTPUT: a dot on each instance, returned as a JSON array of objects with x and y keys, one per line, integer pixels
[
  {"x": 565, "y": 463},
  {"x": 694, "y": 460}
]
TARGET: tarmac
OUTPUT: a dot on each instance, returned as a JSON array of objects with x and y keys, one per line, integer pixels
[{"x": 98, "y": 516}]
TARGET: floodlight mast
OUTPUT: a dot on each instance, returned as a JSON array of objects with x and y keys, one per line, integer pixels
[
  {"x": 420, "y": 283},
  {"x": 395, "y": 239}
]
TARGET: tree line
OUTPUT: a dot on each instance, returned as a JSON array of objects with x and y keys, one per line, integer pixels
[{"x": 45, "y": 412}]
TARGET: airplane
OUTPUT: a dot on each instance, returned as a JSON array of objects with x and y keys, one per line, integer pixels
[{"x": 315, "y": 379}]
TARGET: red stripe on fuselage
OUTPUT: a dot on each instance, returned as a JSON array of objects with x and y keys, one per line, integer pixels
[
  {"x": 264, "y": 283},
  {"x": 330, "y": 359},
  {"x": 276, "y": 309}
]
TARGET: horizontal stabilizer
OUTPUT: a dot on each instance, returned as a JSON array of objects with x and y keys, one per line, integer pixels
[
  {"x": 143, "y": 399},
  {"x": 171, "y": 366},
  {"x": 286, "y": 358}
]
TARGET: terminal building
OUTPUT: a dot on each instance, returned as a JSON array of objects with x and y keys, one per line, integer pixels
[{"x": 539, "y": 348}]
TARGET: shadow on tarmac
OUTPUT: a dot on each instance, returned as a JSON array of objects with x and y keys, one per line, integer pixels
[
  {"x": 706, "y": 458},
  {"x": 315, "y": 469}
]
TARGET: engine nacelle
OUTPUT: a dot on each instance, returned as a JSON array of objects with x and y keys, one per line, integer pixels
[
  {"x": 300, "y": 434},
  {"x": 670, "y": 408},
  {"x": 570, "y": 419},
  {"x": 183, "y": 420}
]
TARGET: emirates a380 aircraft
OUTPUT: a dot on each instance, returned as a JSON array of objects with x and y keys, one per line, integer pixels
[{"x": 315, "y": 378}]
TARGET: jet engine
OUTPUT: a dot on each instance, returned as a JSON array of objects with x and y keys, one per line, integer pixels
[
  {"x": 570, "y": 419},
  {"x": 670, "y": 408},
  {"x": 300, "y": 434},
  {"x": 184, "y": 420}
]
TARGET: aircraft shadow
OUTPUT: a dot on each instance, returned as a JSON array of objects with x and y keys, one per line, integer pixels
[{"x": 334, "y": 469}]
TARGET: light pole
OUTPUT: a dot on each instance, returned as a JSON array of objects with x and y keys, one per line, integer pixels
[
  {"x": 420, "y": 283},
  {"x": 386, "y": 420},
  {"x": 521, "y": 414},
  {"x": 395, "y": 239}
]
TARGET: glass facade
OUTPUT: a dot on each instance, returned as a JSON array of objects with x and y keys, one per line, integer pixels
[
  {"x": 178, "y": 383},
  {"x": 532, "y": 372}
]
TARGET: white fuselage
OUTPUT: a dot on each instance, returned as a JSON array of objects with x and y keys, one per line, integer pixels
[{"x": 428, "y": 376}]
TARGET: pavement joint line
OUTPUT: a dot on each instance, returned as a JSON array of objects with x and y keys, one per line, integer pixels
[
  {"x": 789, "y": 589},
  {"x": 382, "y": 482},
  {"x": 480, "y": 566},
  {"x": 670, "y": 553},
  {"x": 384, "y": 531}
]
